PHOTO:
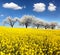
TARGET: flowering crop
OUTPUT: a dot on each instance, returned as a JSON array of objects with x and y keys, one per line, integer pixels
[{"x": 22, "y": 41}]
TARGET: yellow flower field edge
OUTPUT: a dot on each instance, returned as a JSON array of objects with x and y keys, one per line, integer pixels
[{"x": 22, "y": 41}]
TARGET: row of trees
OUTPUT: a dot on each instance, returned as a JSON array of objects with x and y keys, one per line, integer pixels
[{"x": 28, "y": 20}]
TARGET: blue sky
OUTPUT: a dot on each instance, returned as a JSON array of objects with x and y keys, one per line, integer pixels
[{"x": 48, "y": 10}]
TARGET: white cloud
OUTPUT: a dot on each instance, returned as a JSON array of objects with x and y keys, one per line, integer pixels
[
  {"x": 1, "y": 15},
  {"x": 51, "y": 7},
  {"x": 39, "y": 7},
  {"x": 12, "y": 6}
]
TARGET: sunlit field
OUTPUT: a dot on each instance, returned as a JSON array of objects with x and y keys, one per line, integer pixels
[{"x": 30, "y": 41}]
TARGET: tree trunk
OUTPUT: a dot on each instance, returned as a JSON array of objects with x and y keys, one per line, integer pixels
[
  {"x": 45, "y": 27},
  {"x": 37, "y": 27},
  {"x": 12, "y": 26},
  {"x": 26, "y": 26},
  {"x": 52, "y": 27}
]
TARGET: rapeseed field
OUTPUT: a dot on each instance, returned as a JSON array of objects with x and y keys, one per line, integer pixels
[{"x": 30, "y": 41}]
